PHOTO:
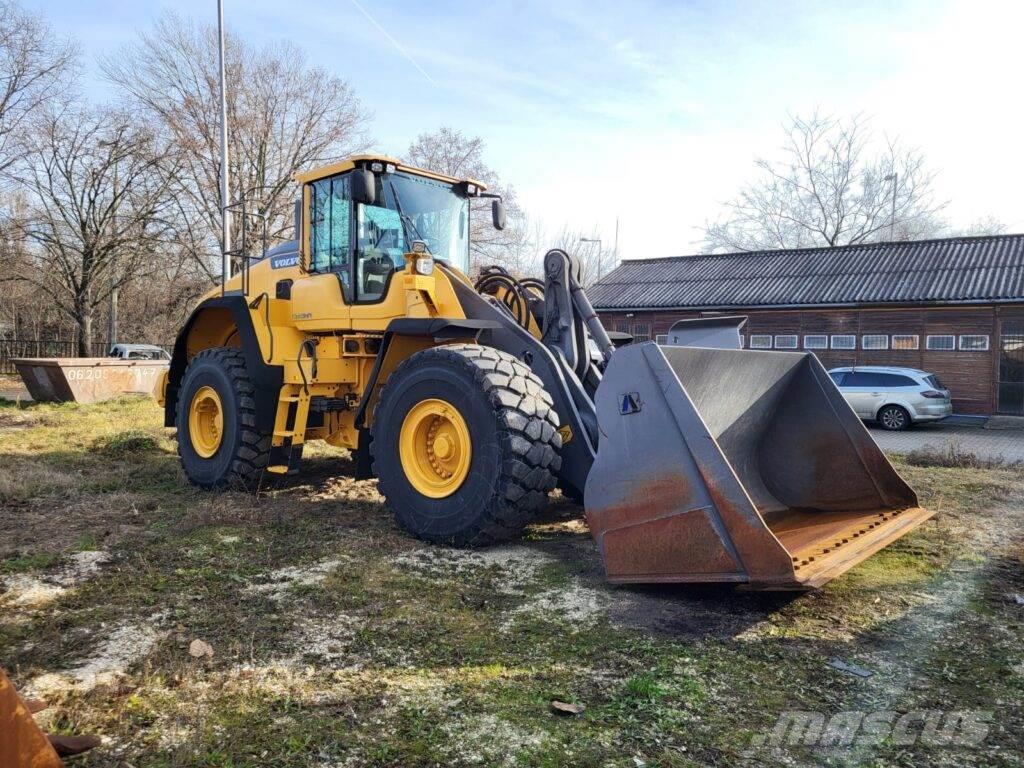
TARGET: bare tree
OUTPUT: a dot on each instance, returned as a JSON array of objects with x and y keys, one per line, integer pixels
[
  {"x": 92, "y": 236},
  {"x": 283, "y": 116},
  {"x": 984, "y": 225},
  {"x": 449, "y": 151},
  {"x": 524, "y": 255},
  {"x": 832, "y": 188},
  {"x": 35, "y": 67}
]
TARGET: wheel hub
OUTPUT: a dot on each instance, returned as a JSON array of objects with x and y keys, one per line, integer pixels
[
  {"x": 435, "y": 448},
  {"x": 206, "y": 422}
]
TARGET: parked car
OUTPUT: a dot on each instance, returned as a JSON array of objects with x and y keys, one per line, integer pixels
[
  {"x": 894, "y": 397},
  {"x": 138, "y": 352}
]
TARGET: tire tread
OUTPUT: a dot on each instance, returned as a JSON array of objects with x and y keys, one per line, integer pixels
[
  {"x": 253, "y": 453},
  {"x": 527, "y": 429}
]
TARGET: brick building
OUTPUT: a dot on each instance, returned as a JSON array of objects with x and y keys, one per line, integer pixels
[{"x": 953, "y": 307}]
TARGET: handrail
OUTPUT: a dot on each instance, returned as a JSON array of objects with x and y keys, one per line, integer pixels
[{"x": 241, "y": 253}]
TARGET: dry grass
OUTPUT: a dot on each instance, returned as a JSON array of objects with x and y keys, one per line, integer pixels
[
  {"x": 339, "y": 641},
  {"x": 954, "y": 456}
]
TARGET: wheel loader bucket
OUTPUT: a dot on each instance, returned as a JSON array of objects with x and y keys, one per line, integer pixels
[{"x": 721, "y": 465}]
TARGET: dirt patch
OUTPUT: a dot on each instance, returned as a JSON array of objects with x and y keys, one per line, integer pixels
[
  {"x": 489, "y": 740},
  {"x": 329, "y": 640},
  {"x": 66, "y": 515},
  {"x": 124, "y": 647},
  {"x": 518, "y": 564},
  {"x": 575, "y": 603},
  {"x": 279, "y": 582},
  {"x": 14, "y": 418},
  {"x": 31, "y": 591}
]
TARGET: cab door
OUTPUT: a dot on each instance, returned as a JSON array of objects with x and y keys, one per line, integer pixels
[
  {"x": 379, "y": 248},
  {"x": 321, "y": 299}
]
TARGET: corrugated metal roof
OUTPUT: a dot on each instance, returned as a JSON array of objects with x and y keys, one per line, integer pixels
[{"x": 952, "y": 270}]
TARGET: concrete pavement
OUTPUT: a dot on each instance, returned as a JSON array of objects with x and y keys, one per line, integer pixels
[{"x": 1007, "y": 444}]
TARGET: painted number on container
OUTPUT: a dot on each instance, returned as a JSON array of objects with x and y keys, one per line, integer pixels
[{"x": 85, "y": 374}]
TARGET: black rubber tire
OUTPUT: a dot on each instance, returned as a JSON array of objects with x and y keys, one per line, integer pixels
[
  {"x": 515, "y": 443},
  {"x": 244, "y": 450},
  {"x": 894, "y": 418}
]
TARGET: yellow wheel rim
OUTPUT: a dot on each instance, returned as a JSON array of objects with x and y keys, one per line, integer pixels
[
  {"x": 206, "y": 421},
  {"x": 435, "y": 448}
]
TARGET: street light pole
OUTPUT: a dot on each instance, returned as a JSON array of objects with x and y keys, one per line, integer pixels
[
  {"x": 893, "y": 177},
  {"x": 225, "y": 217},
  {"x": 616, "y": 240},
  {"x": 598, "y": 241},
  {"x": 112, "y": 314}
]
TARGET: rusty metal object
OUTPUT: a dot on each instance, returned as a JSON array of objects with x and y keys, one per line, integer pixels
[
  {"x": 22, "y": 743},
  {"x": 88, "y": 379},
  {"x": 720, "y": 465}
]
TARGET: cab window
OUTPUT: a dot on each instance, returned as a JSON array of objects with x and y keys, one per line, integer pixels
[
  {"x": 330, "y": 223},
  {"x": 380, "y": 249}
]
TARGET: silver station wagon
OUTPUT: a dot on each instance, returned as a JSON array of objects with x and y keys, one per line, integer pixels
[{"x": 894, "y": 397}]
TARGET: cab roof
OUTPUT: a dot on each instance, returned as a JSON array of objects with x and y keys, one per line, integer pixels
[{"x": 304, "y": 177}]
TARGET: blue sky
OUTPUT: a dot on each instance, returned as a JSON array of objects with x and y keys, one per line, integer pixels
[{"x": 652, "y": 112}]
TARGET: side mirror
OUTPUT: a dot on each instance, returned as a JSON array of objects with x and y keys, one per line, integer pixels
[
  {"x": 498, "y": 214},
  {"x": 364, "y": 186}
]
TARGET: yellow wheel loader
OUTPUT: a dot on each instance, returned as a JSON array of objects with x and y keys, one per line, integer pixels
[{"x": 470, "y": 402}]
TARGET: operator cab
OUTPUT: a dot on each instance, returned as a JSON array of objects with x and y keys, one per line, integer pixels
[{"x": 365, "y": 214}]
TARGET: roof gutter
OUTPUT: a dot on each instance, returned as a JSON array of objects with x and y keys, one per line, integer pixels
[{"x": 845, "y": 305}]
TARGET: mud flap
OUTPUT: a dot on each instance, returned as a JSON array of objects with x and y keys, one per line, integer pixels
[{"x": 720, "y": 465}]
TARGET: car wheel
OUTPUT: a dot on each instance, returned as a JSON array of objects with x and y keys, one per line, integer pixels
[{"x": 894, "y": 418}]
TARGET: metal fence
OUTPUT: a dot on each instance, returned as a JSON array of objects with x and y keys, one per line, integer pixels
[{"x": 14, "y": 348}]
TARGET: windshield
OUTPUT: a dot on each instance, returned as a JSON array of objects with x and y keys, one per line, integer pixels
[{"x": 431, "y": 211}]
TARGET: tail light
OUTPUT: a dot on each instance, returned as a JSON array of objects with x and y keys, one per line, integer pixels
[{"x": 934, "y": 394}]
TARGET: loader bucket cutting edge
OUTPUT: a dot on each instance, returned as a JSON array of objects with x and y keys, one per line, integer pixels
[{"x": 736, "y": 466}]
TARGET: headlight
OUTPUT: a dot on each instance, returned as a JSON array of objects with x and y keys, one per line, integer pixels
[{"x": 425, "y": 264}]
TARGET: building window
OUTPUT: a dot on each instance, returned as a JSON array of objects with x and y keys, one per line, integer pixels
[
  {"x": 661, "y": 338},
  {"x": 905, "y": 341},
  {"x": 786, "y": 341},
  {"x": 641, "y": 331},
  {"x": 844, "y": 341},
  {"x": 874, "y": 341},
  {"x": 760, "y": 341},
  {"x": 816, "y": 341},
  {"x": 940, "y": 343},
  {"x": 974, "y": 343}
]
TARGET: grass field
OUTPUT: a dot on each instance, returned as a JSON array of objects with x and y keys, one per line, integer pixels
[{"x": 339, "y": 641}]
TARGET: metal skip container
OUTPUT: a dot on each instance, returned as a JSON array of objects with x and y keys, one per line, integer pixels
[
  {"x": 722, "y": 465},
  {"x": 88, "y": 379}
]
